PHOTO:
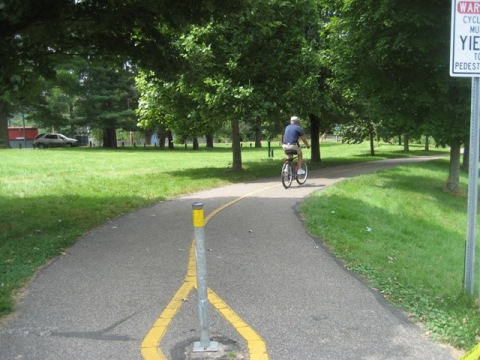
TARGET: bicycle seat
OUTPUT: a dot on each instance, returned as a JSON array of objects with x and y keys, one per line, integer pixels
[{"x": 291, "y": 152}]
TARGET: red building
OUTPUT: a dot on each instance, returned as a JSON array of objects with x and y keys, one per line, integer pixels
[
  {"x": 18, "y": 133},
  {"x": 22, "y": 137}
]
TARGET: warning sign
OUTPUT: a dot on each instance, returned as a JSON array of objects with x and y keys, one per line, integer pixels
[{"x": 465, "y": 39}]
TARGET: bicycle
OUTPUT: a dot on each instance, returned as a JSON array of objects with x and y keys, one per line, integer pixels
[{"x": 290, "y": 167}]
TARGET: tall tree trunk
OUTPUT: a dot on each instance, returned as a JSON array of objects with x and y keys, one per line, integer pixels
[
  {"x": 453, "y": 182},
  {"x": 171, "y": 145},
  {"x": 405, "y": 143},
  {"x": 258, "y": 133},
  {"x": 315, "y": 138},
  {"x": 110, "y": 138},
  {"x": 195, "y": 143},
  {"x": 236, "y": 146},
  {"x": 148, "y": 137},
  {"x": 71, "y": 119},
  {"x": 427, "y": 143},
  {"x": 4, "y": 112},
  {"x": 372, "y": 143},
  {"x": 162, "y": 134},
  {"x": 209, "y": 140},
  {"x": 466, "y": 157}
]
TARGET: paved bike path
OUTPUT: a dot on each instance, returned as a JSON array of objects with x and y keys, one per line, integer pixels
[{"x": 101, "y": 299}]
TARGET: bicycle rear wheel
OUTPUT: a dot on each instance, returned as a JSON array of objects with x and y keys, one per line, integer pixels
[
  {"x": 303, "y": 177},
  {"x": 287, "y": 175}
]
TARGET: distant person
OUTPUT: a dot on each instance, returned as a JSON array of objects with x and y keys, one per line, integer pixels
[{"x": 293, "y": 132}]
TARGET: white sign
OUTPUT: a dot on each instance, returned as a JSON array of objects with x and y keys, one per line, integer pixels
[{"x": 465, "y": 39}]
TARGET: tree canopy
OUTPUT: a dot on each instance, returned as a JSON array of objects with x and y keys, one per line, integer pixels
[
  {"x": 392, "y": 59},
  {"x": 371, "y": 65},
  {"x": 257, "y": 66},
  {"x": 35, "y": 34}
]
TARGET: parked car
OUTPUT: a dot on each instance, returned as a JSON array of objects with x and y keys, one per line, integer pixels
[{"x": 54, "y": 140}]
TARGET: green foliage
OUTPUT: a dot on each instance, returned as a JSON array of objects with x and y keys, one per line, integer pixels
[
  {"x": 59, "y": 98},
  {"x": 256, "y": 67},
  {"x": 35, "y": 35},
  {"x": 394, "y": 55},
  {"x": 109, "y": 96},
  {"x": 87, "y": 94},
  {"x": 151, "y": 110},
  {"x": 356, "y": 131}
]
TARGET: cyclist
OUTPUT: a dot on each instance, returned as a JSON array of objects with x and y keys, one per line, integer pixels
[{"x": 293, "y": 133}]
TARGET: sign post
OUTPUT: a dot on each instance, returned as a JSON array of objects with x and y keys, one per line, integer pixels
[
  {"x": 472, "y": 189},
  {"x": 465, "y": 62}
]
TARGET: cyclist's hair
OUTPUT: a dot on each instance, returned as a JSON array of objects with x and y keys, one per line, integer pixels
[{"x": 294, "y": 120}]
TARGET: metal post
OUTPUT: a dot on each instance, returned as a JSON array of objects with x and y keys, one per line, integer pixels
[
  {"x": 472, "y": 189},
  {"x": 200, "y": 254},
  {"x": 24, "y": 131}
]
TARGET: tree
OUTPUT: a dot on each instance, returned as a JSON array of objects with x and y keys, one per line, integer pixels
[
  {"x": 396, "y": 54},
  {"x": 109, "y": 99},
  {"x": 33, "y": 33},
  {"x": 257, "y": 66},
  {"x": 359, "y": 128},
  {"x": 151, "y": 113},
  {"x": 57, "y": 106},
  {"x": 173, "y": 106},
  {"x": 313, "y": 94}
]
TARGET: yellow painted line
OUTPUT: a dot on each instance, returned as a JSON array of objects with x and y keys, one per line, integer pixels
[
  {"x": 150, "y": 347},
  {"x": 215, "y": 212},
  {"x": 473, "y": 354},
  {"x": 256, "y": 345}
]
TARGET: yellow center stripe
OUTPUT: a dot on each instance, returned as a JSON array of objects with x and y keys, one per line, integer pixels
[
  {"x": 150, "y": 347},
  {"x": 473, "y": 354}
]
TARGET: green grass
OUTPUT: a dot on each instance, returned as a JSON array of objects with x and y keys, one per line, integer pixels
[
  {"x": 401, "y": 230},
  {"x": 50, "y": 198}
]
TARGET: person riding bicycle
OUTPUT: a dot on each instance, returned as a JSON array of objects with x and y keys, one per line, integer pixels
[{"x": 293, "y": 132}]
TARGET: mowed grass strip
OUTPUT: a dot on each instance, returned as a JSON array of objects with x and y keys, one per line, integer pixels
[{"x": 402, "y": 231}]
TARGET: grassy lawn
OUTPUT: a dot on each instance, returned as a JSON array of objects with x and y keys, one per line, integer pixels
[
  {"x": 413, "y": 254},
  {"x": 400, "y": 229}
]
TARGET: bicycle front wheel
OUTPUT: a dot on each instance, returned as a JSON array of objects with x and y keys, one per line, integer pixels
[
  {"x": 287, "y": 175},
  {"x": 301, "y": 178}
]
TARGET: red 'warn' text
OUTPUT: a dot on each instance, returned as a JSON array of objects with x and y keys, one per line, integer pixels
[{"x": 468, "y": 7}]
